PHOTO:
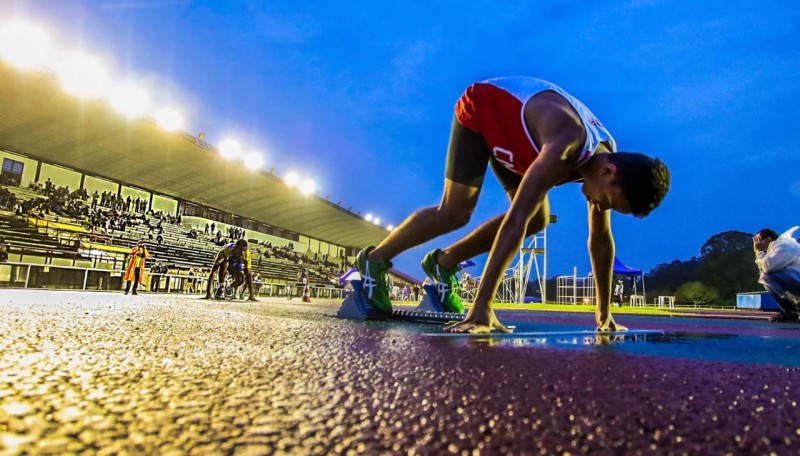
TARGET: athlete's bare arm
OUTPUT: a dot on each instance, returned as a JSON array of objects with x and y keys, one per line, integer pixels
[
  {"x": 562, "y": 135},
  {"x": 210, "y": 280},
  {"x": 248, "y": 280},
  {"x": 601, "y": 254}
]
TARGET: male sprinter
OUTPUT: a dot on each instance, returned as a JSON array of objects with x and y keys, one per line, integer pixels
[
  {"x": 233, "y": 259},
  {"x": 535, "y": 136}
]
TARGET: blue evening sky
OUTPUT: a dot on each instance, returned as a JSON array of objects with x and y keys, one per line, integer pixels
[{"x": 359, "y": 95}]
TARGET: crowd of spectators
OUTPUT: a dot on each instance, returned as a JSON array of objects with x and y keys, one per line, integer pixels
[
  {"x": 107, "y": 212},
  {"x": 8, "y": 200}
]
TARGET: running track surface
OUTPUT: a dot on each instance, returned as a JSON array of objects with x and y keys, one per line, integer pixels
[{"x": 107, "y": 373}]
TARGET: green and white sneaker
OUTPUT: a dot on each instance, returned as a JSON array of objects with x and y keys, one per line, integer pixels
[
  {"x": 374, "y": 280},
  {"x": 447, "y": 284}
]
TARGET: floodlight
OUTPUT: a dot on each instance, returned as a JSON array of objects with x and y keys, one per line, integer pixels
[
  {"x": 292, "y": 179},
  {"x": 83, "y": 75},
  {"x": 230, "y": 149},
  {"x": 169, "y": 119},
  {"x": 308, "y": 187},
  {"x": 129, "y": 100},
  {"x": 254, "y": 160},
  {"x": 368, "y": 217},
  {"x": 376, "y": 221},
  {"x": 24, "y": 45},
  {"x": 390, "y": 227}
]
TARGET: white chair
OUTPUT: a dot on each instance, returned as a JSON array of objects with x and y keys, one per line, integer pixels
[{"x": 637, "y": 301}]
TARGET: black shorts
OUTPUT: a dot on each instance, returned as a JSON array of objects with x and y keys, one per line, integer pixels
[{"x": 467, "y": 157}]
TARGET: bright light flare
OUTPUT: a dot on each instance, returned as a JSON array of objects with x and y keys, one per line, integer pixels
[
  {"x": 254, "y": 160},
  {"x": 169, "y": 119},
  {"x": 390, "y": 227},
  {"x": 230, "y": 149},
  {"x": 376, "y": 221},
  {"x": 368, "y": 217},
  {"x": 83, "y": 75},
  {"x": 308, "y": 187},
  {"x": 24, "y": 45},
  {"x": 129, "y": 100},
  {"x": 292, "y": 179}
]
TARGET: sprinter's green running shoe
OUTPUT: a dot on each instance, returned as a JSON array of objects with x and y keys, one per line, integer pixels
[
  {"x": 446, "y": 281},
  {"x": 373, "y": 279}
]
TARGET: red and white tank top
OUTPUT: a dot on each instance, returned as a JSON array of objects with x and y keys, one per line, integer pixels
[{"x": 495, "y": 109}]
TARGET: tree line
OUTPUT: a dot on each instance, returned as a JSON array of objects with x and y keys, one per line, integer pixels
[{"x": 724, "y": 268}]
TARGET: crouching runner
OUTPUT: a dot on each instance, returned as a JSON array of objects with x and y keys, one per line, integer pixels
[{"x": 233, "y": 259}]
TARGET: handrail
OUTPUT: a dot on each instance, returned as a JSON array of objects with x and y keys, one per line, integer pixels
[{"x": 175, "y": 282}]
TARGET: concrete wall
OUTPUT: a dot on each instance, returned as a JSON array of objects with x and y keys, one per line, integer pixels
[
  {"x": 164, "y": 203},
  {"x": 134, "y": 193},
  {"x": 61, "y": 177},
  {"x": 101, "y": 185}
]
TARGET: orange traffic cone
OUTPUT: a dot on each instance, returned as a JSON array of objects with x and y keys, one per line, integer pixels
[{"x": 306, "y": 293}]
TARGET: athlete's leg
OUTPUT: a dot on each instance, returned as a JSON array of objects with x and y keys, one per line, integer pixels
[
  {"x": 248, "y": 278},
  {"x": 467, "y": 157},
  {"x": 453, "y": 212},
  {"x": 465, "y": 169},
  {"x": 210, "y": 281},
  {"x": 238, "y": 280},
  {"x": 480, "y": 239}
]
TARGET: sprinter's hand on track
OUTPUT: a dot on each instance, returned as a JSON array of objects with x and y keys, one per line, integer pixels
[
  {"x": 478, "y": 322},
  {"x": 610, "y": 325}
]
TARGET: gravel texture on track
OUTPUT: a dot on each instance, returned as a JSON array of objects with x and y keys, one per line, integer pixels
[{"x": 110, "y": 374}]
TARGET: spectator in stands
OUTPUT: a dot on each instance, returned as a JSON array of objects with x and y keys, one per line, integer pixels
[
  {"x": 778, "y": 260},
  {"x": 207, "y": 229},
  {"x": 159, "y": 239},
  {"x": 135, "y": 271},
  {"x": 213, "y": 226},
  {"x": 3, "y": 253},
  {"x": 233, "y": 259},
  {"x": 415, "y": 289},
  {"x": 155, "y": 276},
  {"x": 95, "y": 196}
]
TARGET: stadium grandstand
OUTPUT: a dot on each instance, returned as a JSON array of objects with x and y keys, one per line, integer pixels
[{"x": 81, "y": 184}]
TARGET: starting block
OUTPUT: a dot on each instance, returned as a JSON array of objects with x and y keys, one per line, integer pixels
[{"x": 357, "y": 307}]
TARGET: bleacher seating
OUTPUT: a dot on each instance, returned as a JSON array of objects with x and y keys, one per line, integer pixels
[
  {"x": 178, "y": 250},
  {"x": 26, "y": 238}
]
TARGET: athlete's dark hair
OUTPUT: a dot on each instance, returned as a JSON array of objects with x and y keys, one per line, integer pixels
[
  {"x": 767, "y": 233},
  {"x": 644, "y": 180},
  {"x": 241, "y": 243}
]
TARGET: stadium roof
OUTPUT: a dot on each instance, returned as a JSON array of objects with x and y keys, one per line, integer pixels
[{"x": 39, "y": 120}]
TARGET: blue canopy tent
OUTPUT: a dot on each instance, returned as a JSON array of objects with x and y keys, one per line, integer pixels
[{"x": 621, "y": 269}]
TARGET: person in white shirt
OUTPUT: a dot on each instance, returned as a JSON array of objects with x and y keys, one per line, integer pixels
[{"x": 778, "y": 260}]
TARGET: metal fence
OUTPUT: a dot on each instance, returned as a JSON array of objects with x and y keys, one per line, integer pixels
[{"x": 60, "y": 277}]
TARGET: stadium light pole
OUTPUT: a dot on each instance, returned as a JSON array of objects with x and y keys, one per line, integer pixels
[
  {"x": 291, "y": 179},
  {"x": 24, "y": 45},
  {"x": 254, "y": 160},
  {"x": 230, "y": 149},
  {"x": 170, "y": 119},
  {"x": 129, "y": 100},
  {"x": 308, "y": 187},
  {"x": 83, "y": 75}
]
